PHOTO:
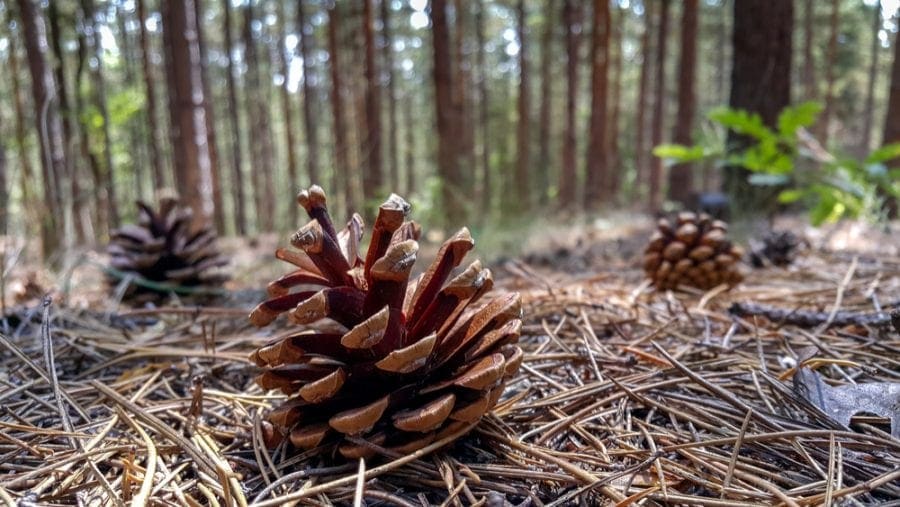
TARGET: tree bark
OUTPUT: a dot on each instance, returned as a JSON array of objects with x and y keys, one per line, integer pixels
[
  {"x": 448, "y": 162},
  {"x": 640, "y": 159},
  {"x": 760, "y": 83},
  {"x": 187, "y": 108},
  {"x": 218, "y": 206},
  {"x": 341, "y": 161},
  {"x": 869, "y": 111},
  {"x": 597, "y": 165},
  {"x": 264, "y": 196},
  {"x": 462, "y": 79},
  {"x": 156, "y": 160},
  {"x": 238, "y": 190},
  {"x": 522, "y": 201},
  {"x": 544, "y": 112},
  {"x": 387, "y": 58},
  {"x": 681, "y": 176},
  {"x": 484, "y": 194},
  {"x": 615, "y": 159},
  {"x": 101, "y": 209},
  {"x": 287, "y": 111},
  {"x": 568, "y": 176},
  {"x": 830, "y": 64},
  {"x": 373, "y": 178},
  {"x": 892, "y": 118},
  {"x": 409, "y": 144},
  {"x": 26, "y": 181},
  {"x": 47, "y": 125},
  {"x": 656, "y": 165},
  {"x": 92, "y": 27},
  {"x": 136, "y": 130},
  {"x": 309, "y": 97},
  {"x": 809, "y": 61}
]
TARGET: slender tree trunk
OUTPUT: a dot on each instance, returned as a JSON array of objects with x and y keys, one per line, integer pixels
[
  {"x": 341, "y": 161},
  {"x": 544, "y": 113},
  {"x": 285, "y": 63},
  {"x": 868, "y": 116},
  {"x": 387, "y": 58},
  {"x": 27, "y": 171},
  {"x": 760, "y": 82},
  {"x": 568, "y": 177},
  {"x": 156, "y": 160},
  {"x": 523, "y": 130},
  {"x": 485, "y": 196},
  {"x": 309, "y": 96},
  {"x": 409, "y": 143},
  {"x": 809, "y": 61},
  {"x": 373, "y": 178},
  {"x": 447, "y": 121},
  {"x": 101, "y": 209},
  {"x": 462, "y": 103},
  {"x": 597, "y": 176},
  {"x": 263, "y": 183},
  {"x": 831, "y": 62},
  {"x": 659, "y": 111},
  {"x": 218, "y": 206},
  {"x": 4, "y": 192},
  {"x": 892, "y": 119},
  {"x": 136, "y": 130},
  {"x": 615, "y": 162},
  {"x": 721, "y": 59},
  {"x": 681, "y": 180},
  {"x": 47, "y": 124},
  {"x": 238, "y": 190},
  {"x": 99, "y": 87},
  {"x": 65, "y": 112},
  {"x": 187, "y": 107},
  {"x": 640, "y": 152}
]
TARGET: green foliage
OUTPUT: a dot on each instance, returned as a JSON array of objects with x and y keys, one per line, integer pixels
[{"x": 830, "y": 187}]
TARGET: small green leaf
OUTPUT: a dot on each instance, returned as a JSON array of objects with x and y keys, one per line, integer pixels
[
  {"x": 796, "y": 117},
  {"x": 768, "y": 180},
  {"x": 741, "y": 122},
  {"x": 884, "y": 154},
  {"x": 680, "y": 152},
  {"x": 790, "y": 196}
]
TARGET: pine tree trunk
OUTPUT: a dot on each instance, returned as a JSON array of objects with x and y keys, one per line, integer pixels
[
  {"x": 892, "y": 118},
  {"x": 187, "y": 108},
  {"x": 341, "y": 162},
  {"x": 373, "y": 178},
  {"x": 409, "y": 143},
  {"x": 238, "y": 190},
  {"x": 309, "y": 97},
  {"x": 258, "y": 117},
  {"x": 642, "y": 174},
  {"x": 568, "y": 176},
  {"x": 153, "y": 142},
  {"x": 656, "y": 164},
  {"x": 135, "y": 127},
  {"x": 523, "y": 129},
  {"x": 288, "y": 113},
  {"x": 4, "y": 192},
  {"x": 99, "y": 88},
  {"x": 824, "y": 126},
  {"x": 98, "y": 194},
  {"x": 681, "y": 179},
  {"x": 387, "y": 58},
  {"x": 597, "y": 164},
  {"x": 218, "y": 206},
  {"x": 868, "y": 116},
  {"x": 809, "y": 61},
  {"x": 760, "y": 83},
  {"x": 26, "y": 181},
  {"x": 485, "y": 194},
  {"x": 462, "y": 103},
  {"x": 447, "y": 121},
  {"x": 615, "y": 158},
  {"x": 544, "y": 113},
  {"x": 47, "y": 125},
  {"x": 65, "y": 113}
]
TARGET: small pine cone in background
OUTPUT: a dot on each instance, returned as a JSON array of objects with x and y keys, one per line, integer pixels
[
  {"x": 777, "y": 248},
  {"x": 692, "y": 252},
  {"x": 164, "y": 249},
  {"x": 369, "y": 354}
]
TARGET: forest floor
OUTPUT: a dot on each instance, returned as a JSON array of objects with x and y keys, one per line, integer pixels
[{"x": 784, "y": 390}]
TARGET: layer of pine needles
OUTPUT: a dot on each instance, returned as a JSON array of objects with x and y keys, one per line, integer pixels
[{"x": 626, "y": 397}]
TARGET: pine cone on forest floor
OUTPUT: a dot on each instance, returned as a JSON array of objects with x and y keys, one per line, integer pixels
[
  {"x": 164, "y": 253},
  {"x": 777, "y": 248},
  {"x": 395, "y": 362},
  {"x": 694, "y": 252}
]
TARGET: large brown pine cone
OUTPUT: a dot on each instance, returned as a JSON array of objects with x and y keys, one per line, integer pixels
[
  {"x": 368, "y": 353},
  {"x": 163, "y": 253},
  {"x": 693, "y": 252}
]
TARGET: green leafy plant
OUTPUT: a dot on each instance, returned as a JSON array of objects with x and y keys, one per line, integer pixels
[{"x": 789, "y": 157}]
